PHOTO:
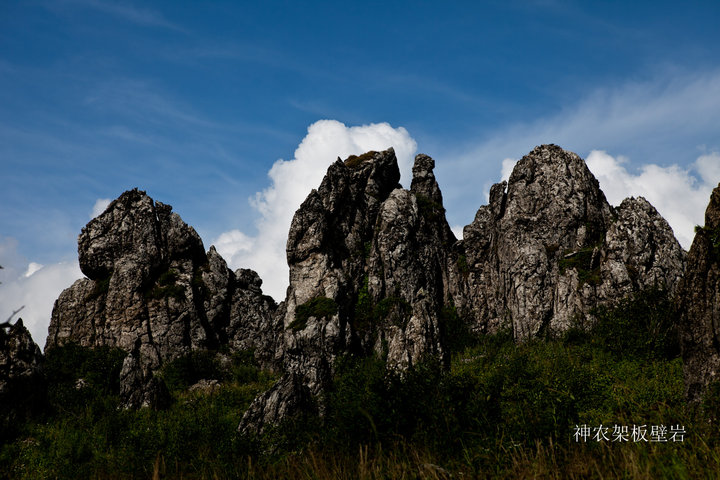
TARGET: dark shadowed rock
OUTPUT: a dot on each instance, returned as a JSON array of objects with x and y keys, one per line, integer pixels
[
  {"x": 21, "y": 381},
  {"x": 699, "y": 305}
]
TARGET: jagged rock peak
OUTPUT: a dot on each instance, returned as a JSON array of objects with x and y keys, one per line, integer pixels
[
  {"x": 548, "y": 248},
  {"x": 367, "y": 274},
  {"x": 698, "y": 300},
  {"x": 154, "y": 292},
  {"x": 423, "y": 181},
  {"x": 135, "y": 228}
]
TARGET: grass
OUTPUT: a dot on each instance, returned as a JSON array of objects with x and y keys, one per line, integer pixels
[{"x": 498, "y": 410}]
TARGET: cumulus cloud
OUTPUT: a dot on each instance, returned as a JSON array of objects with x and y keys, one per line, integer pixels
[
  {"x": 100, "y": 205},
  {"x": 291, "y": 181},
  {"x": 675, "y": 192},
  {"x": 32, "y": 286}
]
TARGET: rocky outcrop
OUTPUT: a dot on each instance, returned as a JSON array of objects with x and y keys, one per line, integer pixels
[
  {"x": 153, "y": 291},
  {"x": 548, "y": 248},
  {"x": 374, "y": 270},
  {"x": 21, "y": 381},
  {"x": 368, "y": 264},
  {"x": 699, "y": 305}
]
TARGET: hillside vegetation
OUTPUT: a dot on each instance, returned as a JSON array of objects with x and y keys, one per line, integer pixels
[{"x": 501, "y": 410}]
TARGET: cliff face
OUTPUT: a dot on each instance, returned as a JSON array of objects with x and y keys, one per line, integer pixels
[
  {"x": 699, "y": 305},
  {"x": 368, "y": 263},
  {"x": 153, "y": 291},
  {"x": 374, "y": 270},
  {"x": 549, "y": 247}
]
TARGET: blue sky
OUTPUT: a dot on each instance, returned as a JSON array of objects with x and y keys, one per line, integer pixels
[{"x": 195, "y": 102}]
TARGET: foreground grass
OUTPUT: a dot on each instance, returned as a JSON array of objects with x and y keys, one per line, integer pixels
[{"x": 500, "y": 410}]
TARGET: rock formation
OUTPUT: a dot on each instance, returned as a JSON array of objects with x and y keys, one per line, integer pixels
[
  {"x": 548, "y": 248},
  {"x": 21, "y": 382},
  {"x": 368, "y": 263},
  {"x": 374, "y": 270},
  {"x": 699, "y": 305},
  {"x": 154, "y": 292}
]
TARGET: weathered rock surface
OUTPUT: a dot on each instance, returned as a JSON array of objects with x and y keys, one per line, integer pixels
[
  {"x": 21, "y": 381},
  {"x": 374, "y": 270},
  {"x": 367, "y": 274},
  {"x": 699, "y": 305},
  {"x": 154, "y": 292},
  {"x": 548, "y": 248}
]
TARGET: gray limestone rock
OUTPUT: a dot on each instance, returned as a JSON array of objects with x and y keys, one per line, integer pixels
[
  {"x": 698, "y": 301},
  {"x": 367, "y": 275},
  {"x": 154, "y": 292},
  {"x": 548, "y": 248}
]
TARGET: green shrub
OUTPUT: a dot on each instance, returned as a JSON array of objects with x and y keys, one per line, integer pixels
[
  {"x": 97, "y": 368},
  {"x": 455, "y": 331},
  {"x": 431, "y": 210},
  {"x": 166, "y": 286},
  {"x": 582, "y": 262},
  {"x": 643, "y": 324},
  {"x": 317, "y": 307},
  {"x": 185, "y": 371}
]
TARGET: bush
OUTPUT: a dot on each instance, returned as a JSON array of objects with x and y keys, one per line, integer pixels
[
  {"x": 185, "y": 371},
  {"x": 317, "y": 307},
  {"x": 78, "y": 376},
  {"x": 643, "y": 324}
]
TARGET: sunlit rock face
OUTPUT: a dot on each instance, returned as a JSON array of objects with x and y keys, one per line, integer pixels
[
  {"x": 374, "y": 269},
  {"x": 548, "y": 248},
  {"x": 153, "y": 291}
]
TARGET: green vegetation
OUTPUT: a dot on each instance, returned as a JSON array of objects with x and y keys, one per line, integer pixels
[
  {"x": 582, "y": 262},
  {"x": 498, "y": 410},
  {"x": 431, "y": 210},
  {"x": 84, "y": 433},
  {"x": 354, "y": 161},
  {"x": 463, "y": 265},
  {"x": 317, "y": 307},
  {"x": 166, "y": 286},
  {"x": 642, "y": 325},
  {"x": 392, "y": 310}
]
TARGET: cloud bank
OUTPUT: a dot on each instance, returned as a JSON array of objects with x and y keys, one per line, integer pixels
[
  {"x": 32, "y": 286},
  {"x": 291, "y": 182},
  {"x": 675, "y": 192}
]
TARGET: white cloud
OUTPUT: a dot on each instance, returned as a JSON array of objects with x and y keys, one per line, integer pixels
[
  {"x": 33, "y": 286},
  {"x": 100, "y": 205},
  {"x": 32, "y": 268},
  {"x": 507, "y": 167},
  {"x": 292, "y": 181},
  {"x": 678, "y": 195}
]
